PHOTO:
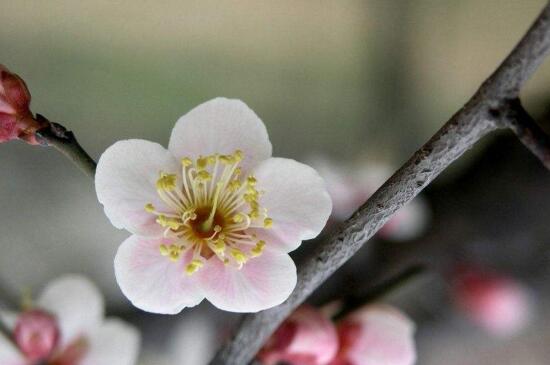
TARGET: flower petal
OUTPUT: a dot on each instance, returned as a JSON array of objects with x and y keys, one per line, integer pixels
[
  {"x": 221, "y": 126},
  {"x": 9, "y": 355},
  {"x": 307, "y": 337},
  {"x": 115, "y": 342},
  {"x": 263, "y": 282},
  {"x": 296, "y": 199},
  {"x": 386, "y": 336},
  {"x": 125, "y": 182},
  {"x": 8, "y": 127},
  {"x": 77, "y": 304},
  {"x": 152, "y": 282}
]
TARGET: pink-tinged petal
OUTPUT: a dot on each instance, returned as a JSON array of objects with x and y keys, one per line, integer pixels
[
  {"x": 9, "y": 354},
  {"x": 76, "y": 303},
  {"x": 221, "y": 126},
  {"x": 296, "y": 199},
  {"x": 114, "y": 343},
  {"x": 8, "y": 127},
  {"x": 263, "y": 282},
  {"x": 500, "y": 305},
  {"x": 16, "y": 91},
  {"x": 2, "y": 70},
  {"x": 151, "y": 281},
  {"x": 5, "y": 106},
  {"x": 307, "y": 337},
  {"x": 375, "y": 335},
  {"x": 125, "y": 182}
]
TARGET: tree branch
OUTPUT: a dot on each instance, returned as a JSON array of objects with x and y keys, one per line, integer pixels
[
  {"x": 475, "y": 120},
  {"x": 64, "y": 141},
  {"x": 527, "y": 130}
]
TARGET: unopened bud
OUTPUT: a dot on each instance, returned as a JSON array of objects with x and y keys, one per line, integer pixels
[
  {"x": 16, "y": 119},
  {"x": 36, "y": 334}
]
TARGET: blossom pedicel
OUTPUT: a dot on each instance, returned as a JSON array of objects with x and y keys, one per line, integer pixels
[
  {"x": 16, "y": 120},
  {"x": 66, "y": 327},
  {"x": 213, "y": 217}
]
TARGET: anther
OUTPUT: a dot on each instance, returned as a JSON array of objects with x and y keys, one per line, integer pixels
[{"x": 193, "y": 266}]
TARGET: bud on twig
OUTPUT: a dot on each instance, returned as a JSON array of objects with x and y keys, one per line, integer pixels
[{"x": 16, "y": 119}]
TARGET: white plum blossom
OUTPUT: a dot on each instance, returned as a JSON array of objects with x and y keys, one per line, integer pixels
[
  {"x": 66, "y": 326},
  {"x": 213, "y": 216}
]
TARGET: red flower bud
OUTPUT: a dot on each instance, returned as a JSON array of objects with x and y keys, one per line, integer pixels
[
  {"x": 16, "y": 119},
  {"x": 37, "y": 334}
]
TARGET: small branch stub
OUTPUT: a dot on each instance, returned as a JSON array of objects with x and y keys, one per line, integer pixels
[{"x": 64, "y": 141}]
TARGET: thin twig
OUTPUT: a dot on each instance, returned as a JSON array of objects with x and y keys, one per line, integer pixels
[
  {"x": 471, "y": 123},
  {"x": 528, "y": 131},
  {"x": 64, "y": 141},
  {"x": 356, "y": 301}
]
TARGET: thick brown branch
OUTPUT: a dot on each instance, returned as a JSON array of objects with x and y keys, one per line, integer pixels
[
  {"x": 64, "y": 141},
  {"x": 460, "y": 133}
]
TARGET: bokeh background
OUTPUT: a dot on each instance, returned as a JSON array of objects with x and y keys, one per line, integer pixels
[{"x": 347, "y": 80}]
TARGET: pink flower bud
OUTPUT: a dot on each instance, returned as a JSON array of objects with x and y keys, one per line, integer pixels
[
  {"x": 16, "y": 119},
  {"x": 36, "y": 333},
  {"x": 307, "y": 337},
  {"x": 376, "y": 335},
  {"x": 500, "y": 305}
]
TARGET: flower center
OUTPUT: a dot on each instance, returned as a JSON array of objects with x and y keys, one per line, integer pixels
[{"x": 211, "y": 209}]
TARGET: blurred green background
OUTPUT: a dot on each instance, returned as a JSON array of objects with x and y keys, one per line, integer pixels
[{"x": 349, "y": 80}]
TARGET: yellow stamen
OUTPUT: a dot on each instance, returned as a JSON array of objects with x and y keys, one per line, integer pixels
[
  {"x": 193, "y": 266},
  {"x": 238, "y": 218},
  {"x": 164, "y": 250},
  {"x": 258, "y": 249},
  {"x": 186, "y": 162},
  {"x": 210, "y": 212},
  {"x": 239, "y": 256},
  {"x": 207, "y": 224},
  {"x": 204, "y": 175},
  {"x": 166, "y": 182}
]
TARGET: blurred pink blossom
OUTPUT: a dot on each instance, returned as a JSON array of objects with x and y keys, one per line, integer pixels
[
  {"x": 351, "y": 185},
  {"x": 499, "y": 304},
  {"x": 376, "y": 335},
  {"x": 307, "y": 337},
  {"x": 16, "y": 120},
  {"x": 67, "y": 327}
]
